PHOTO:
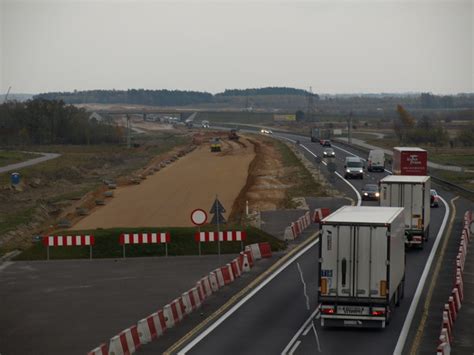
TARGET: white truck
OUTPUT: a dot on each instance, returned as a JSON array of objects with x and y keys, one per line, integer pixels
[
  {"x": 361, "y": 266},
  {"x": 412, "y": 193}
]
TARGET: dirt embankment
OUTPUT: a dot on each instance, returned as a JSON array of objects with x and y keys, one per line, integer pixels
[{"x": 168, "y": 197}]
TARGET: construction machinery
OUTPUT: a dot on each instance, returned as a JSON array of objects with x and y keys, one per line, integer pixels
[
  {"x": 215, "y": 145},
  {"x": 233, "y": 134}
]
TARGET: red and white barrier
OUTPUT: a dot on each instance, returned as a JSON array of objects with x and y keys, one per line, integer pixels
[
  {"x": 235, "y": 267},
  {"x": 151, "y": 327},
  {"x": 220, "y": 277},
  {"x": 191, "y": 300},
  {"x": 173, "y": 313},
  {"x": 244, "y": 261},
  {"x": 320, "y": 213},
  {"x": 144, "y": 238},
  {"x": 126, "y": 343},
  {"x": 255, "y": 251},
  {"x": 225, "y": 236},
  {"x": 265, "y": 250},
  {"x": 102, "y": 349},
  {"x": 227, "y": 274},
  {"x": 205, "y": 284},
  {"x": 68, "y": 240}
]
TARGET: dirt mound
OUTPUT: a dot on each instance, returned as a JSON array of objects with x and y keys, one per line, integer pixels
[{"x": 168, "y": 197}]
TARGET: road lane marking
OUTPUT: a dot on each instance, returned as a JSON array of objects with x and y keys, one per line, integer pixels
[
  {"x": 298, "y": 333},
  {"x": 304, "y": 286},
  {"x": 434, "y": 280},
  {"x": 414, "y": 303},
  {"x": 359, "y": 199},
  {"x": 305, "y": 333},
  {"x": 293, "y": 349},
  {"x": 255, "y": 286}
]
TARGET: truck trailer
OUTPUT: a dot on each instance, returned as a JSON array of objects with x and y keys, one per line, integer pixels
[
  {"x": 410, "y": 161},
  {"x": 361, "y": 266},
  {"x": 412, "y": 193},
  {"x": 319, "y": 134}
]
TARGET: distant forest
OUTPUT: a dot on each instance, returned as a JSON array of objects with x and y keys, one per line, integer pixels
[{"x": 268, "y": 99}]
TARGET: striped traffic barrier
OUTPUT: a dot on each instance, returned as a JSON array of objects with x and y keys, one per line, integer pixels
[
  {"x": 457, "y": 299},
  {"x": 68, "y": 241},
  {"x": 255, "y": 250},
  {"x": 452, "y": 307},
  {"x": 289, "y": 233},
  {"x": 144, "y": 238},
  {"x": 151, "y": 327},
  {"x": 265, "y": 250},
  {"x": 173, "y": 313},
  {"x": 191, "y": 301},
  {"x": 126, "y": 343},
  {"x": 102, "y": 349},
  {"x": 235, "y": 267},
  {"x": 206, "y": 285},
  {"x": 213, "y": 281},
  {"x": 220, "y": 277},
  {"x": 227, "y": 274},
  {"x": 244, "y": 262},
  {"x": 447, "y": 325}
]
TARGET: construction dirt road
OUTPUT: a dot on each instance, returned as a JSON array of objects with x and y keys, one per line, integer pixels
[{"x": 168, "y": 197}]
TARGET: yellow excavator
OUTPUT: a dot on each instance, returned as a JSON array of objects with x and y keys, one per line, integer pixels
[{"x": 215, "y": 145}]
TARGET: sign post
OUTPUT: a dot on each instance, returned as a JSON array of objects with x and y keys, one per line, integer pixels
[
  {"x": 199, "y": 217},
  {"x": 218, "y": 219}
]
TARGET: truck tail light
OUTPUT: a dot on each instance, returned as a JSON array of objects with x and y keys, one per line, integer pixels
[
  {"x": 324, "y": 285},
  {"x": 328, "y": 310},
  {"x": 383, "y": 288},
  {"x": 378, "y": 311}
]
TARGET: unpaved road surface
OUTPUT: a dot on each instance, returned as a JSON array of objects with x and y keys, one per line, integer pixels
[
  {"x": 168, "y": 197},
  {"x": 17, "y": 166}
]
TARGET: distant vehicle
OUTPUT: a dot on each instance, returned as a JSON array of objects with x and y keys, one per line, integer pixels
[
  {"x": 318, "y": 134},
  {"x": 410, "y": 161},
  {"x": 353, "y": 168},
  {"x": 361, "y": 266},
  {"x": 233, "y": 134},
  {"x": 326, "y": 143},
  {"x": 329, "y": 153},
  {"x": 434, "y": 198},
  {"x": 215, "y": 145},
  {"x": 376, "y": 161},
  {"x": 412, "y": 193},
  {"x": 370, "y": 192},
  {"x": 266, "y": 131},
  {"x": 189, "y": 124},
  {"x": 205, "y": 124}
]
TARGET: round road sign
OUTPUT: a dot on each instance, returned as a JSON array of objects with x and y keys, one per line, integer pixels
[{"x": 199, "y": 217}]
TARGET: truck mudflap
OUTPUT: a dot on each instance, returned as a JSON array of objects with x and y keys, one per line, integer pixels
[{"x": 352, "y": 322}]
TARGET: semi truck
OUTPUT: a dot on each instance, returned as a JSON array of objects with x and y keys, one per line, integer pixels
[
  {"x": 361, "y": 266},
  {"x": 318, "y": 134},
  {"x": 412, "y": 193},
  {"x": 410, "y": 161}
]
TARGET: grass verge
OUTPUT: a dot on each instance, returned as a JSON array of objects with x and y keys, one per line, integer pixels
[
  {"x": 182, "y": 243},
  {"x": 8, "y": 157}
]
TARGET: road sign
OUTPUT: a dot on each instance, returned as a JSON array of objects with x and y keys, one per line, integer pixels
[
  {"x": 217, "y": 207},
  {"x": 199, "y": 217},
  {"x": 216, "y": 217}
]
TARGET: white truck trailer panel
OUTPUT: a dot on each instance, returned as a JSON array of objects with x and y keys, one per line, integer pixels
[
  {"x": 362, "y": 263},
  {"x": 412, "y": 193}
]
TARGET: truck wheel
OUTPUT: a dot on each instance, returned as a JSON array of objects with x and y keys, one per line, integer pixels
[
  {"x": 402, "y": 293},
  {"x": 427, "y": 234}
]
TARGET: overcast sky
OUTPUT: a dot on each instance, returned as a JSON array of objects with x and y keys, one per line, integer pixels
[{"x": 334, "y": 46}]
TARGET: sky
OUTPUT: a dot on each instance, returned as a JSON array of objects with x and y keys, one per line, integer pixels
[{"x": 338, "y": 46}]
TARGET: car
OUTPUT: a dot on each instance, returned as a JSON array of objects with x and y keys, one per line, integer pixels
[
  {"x": 434, "y": 199},
  {"x": 370, "y": 192},
  {"x": 266, "y": 131},
  {"x": 329, "y": 153},
  {"x": 326, "y": 143},
  {"x": 354, "y": 168}
]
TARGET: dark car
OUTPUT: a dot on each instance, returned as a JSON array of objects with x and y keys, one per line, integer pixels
[
  {"x": 370, "y": 192},
  {"x": 329, "y": 153},
  {"x": 434, "y": 199},
  {"x": 326, "y": 143}
]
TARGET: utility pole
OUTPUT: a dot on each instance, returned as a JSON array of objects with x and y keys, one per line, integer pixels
[
  {"x": 310, "y": 105},
  {"x": 129, "y": 132},
  {"x": 349, "y": 128},
  {"x": 6, "y": 96}
]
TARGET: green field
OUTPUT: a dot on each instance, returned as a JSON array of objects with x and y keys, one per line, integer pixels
[
  {"x": 236, "y": 117},
  {"x": 182, "y": 243},
  {"x": 8, "y": 157}
]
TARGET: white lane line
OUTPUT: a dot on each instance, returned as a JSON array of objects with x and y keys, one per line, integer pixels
[
  {"x": 245, "y": 299},
  {"x": 293, "y": 349},
  {"x": 346, "y": 151},
  {"x": 298, "y": 333},
  {"x": 359, "y": 199},
  {"x": 304, "y": 286},
  {"x": 414, "y": 303},
  {"x": 305, "y": 333}
]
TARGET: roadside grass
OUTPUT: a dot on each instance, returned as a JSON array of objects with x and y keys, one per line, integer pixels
[
  {"x": 303, "y": 183},
  {"x": 182, "y": 243},
  {"x": 8, "y": 157},
  {"x": 10, "y": 221},
  {"x": 456, "y": 156},
  {"x": 464, "y": 179}
]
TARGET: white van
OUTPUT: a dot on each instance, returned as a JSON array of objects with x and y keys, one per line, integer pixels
[
  {"x": 376, "y": 161},
  {"x": 353, "y": 168}
]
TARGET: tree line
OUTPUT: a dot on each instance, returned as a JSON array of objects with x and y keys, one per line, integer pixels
[{"x": 41, "y": 122}]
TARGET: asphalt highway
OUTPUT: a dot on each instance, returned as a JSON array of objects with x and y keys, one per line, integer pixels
[{"x": 277, "y": 319}]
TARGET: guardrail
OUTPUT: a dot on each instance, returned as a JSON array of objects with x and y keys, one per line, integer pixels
[{"x": 449, "y": 185}]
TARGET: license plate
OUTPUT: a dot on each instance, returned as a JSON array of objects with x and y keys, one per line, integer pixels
[{"x": 351, "y": 310}]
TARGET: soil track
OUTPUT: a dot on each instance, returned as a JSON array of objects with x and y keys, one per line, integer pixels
[{"x": 168, "y": 197}]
